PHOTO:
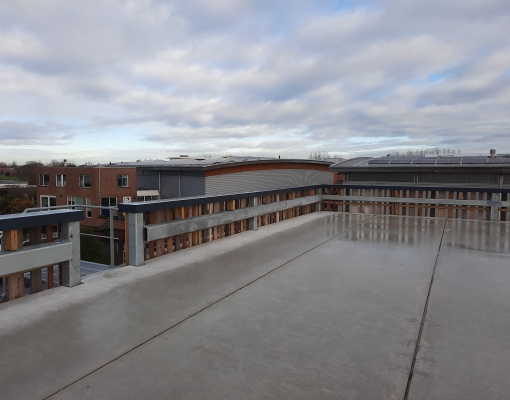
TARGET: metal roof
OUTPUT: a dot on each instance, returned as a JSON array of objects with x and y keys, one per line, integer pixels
[
  {"x": 420, "y": 163},
  {"x": 210, "y": 163}
]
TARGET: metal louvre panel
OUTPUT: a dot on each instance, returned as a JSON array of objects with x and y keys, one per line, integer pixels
[
  {"x": 147, "y": 180},
  {"x": 457, "y": 177},
  {"x": 169, "y": 185},
  {"x": 251, "y": 181},
  {"x": 381, "y": 177},
  {"x": 192, "y": 185}
]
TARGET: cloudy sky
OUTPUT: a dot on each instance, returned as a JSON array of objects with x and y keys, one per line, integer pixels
[{"x": 112, "y": 80}]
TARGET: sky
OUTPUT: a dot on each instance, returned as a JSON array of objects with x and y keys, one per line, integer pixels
[{"x": 113, "y": 80}]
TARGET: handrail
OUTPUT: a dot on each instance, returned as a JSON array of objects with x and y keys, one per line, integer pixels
[
  {"x": 27, "y": 210},
  {"x": 112, "y": 252},
  {"x": 16, "y": 221},
  {"x": 419, "y": 186},
  {"x": 155, "y": 205}
]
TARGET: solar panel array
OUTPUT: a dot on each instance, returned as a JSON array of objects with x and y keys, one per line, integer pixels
[{"x": 394, "y": 160}]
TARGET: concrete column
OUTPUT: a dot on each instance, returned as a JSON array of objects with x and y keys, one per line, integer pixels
[
  {"x": 495, "y": 203},
  {"x": 136, "y": 241},
  {"x": 71, "y": 269},
  {"x": 252, "y": 222}
]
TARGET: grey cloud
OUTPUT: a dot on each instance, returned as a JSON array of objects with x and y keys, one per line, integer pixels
[{"x": 14, "y": 133}]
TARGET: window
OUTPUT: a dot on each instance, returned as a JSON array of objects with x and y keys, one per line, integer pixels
[
  {"x": 61, "y": 180},
  {"x": 122, "y": 180},
  {"x": 108, "y": 202},
  {"x": 147, "y": 198},
  {"x": 84, "y": 181},
  {"x": 88, "y": 211},
  {"x": 73, "y": 200},
  {"x": 48, "y": 201},
  {"x": 44, "y": 180}
]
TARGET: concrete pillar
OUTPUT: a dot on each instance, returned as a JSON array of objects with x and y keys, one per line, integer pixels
[
  {"x": 136, "y": 241},
  {"x": 495, "y": 203},
  {"x": 252, "y": 222},
  {"x": 71, "y": 269}
]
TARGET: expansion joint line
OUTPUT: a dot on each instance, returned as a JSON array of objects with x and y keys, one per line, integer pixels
[
  {"x": 424, "y": 316},
  {"x": 201, "y": 310}
]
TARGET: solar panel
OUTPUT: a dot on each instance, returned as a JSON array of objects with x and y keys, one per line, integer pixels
[
  {"x": 498, "y": 160},
  {"x": 428, "y": 160},
  {"x": 402, "y": 161},
  {"x": 480, "y": 160},
  {"x": 454, "y": 160},
  {"x": 468, "y": 160},
  {"x": 378, "y": 161}
]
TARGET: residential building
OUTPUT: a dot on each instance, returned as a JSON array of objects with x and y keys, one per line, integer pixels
[{"x": 98, "y": 186}]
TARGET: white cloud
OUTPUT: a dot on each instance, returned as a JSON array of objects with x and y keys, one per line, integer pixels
[{"x": 261, "y": 77}]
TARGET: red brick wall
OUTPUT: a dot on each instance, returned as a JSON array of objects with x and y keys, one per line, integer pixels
[{"x": 103, "y": 184}]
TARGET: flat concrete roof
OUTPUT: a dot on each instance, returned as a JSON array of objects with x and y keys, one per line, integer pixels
[{"x": 327, "y": 305}]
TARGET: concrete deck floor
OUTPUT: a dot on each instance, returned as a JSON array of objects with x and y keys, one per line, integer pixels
[{"x": 324, "y": 306}]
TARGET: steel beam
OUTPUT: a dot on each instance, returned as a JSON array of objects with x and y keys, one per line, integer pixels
[
  {"x": 136, "y": 240},
  {"x": 33, "y": 257},
  {"x": 252, "y": 222},
  {"x": 71, "y": 275},
  {"x": 173, "y": 228},
  {"x": 495, "y": 204},
  {"x": 407, "y": 200}
]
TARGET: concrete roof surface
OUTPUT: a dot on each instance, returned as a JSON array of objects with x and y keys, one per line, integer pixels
[{"x": 324, "y": 306}]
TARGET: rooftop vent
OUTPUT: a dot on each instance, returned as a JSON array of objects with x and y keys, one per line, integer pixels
[{"x": 493, "y": 153}]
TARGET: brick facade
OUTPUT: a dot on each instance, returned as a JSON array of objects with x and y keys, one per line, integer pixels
[{"x": 103, "y": 184}]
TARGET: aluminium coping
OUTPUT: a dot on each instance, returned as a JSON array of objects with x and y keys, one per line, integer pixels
[{"x": 19, "y": 221}]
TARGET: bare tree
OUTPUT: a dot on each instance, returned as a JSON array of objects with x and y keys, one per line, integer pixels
[
  {"x": 322, "y": 155},
  {"x": 423, "y": 152},
  {"x": 55, "y": 163}
]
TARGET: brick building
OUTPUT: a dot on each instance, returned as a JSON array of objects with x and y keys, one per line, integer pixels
[
  {"x": 98, "y": 186},
  {"x": 110, "y": 185}
]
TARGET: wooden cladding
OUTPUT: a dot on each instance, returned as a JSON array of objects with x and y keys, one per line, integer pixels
[
  {"x": 156, "y": 248},
  {"x": 404, "y": 203},
  {"x": 13, "y": 241}
]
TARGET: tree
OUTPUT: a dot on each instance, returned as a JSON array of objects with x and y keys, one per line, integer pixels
[
  {"x": 27, "y": 171},
  {"x": 423, "y": 152},
  {"x": 14, "y": 204},
  {"x": 322, "y": 155},
  {"x": 55, "y": 163},
  {"x": 92, "y": 249}
]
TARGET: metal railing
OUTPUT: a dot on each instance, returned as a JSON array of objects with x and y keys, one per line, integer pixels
[
  {"x": 111, "y": 215},
  {"x": 159, "y": 227},
  {"x": 16, "y": 259}
]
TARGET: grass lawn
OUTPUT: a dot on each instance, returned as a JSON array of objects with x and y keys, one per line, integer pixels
[{"x": 8, "y": 178}]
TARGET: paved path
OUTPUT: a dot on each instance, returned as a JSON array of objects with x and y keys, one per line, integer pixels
[{"x": 324, "y": 306}]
